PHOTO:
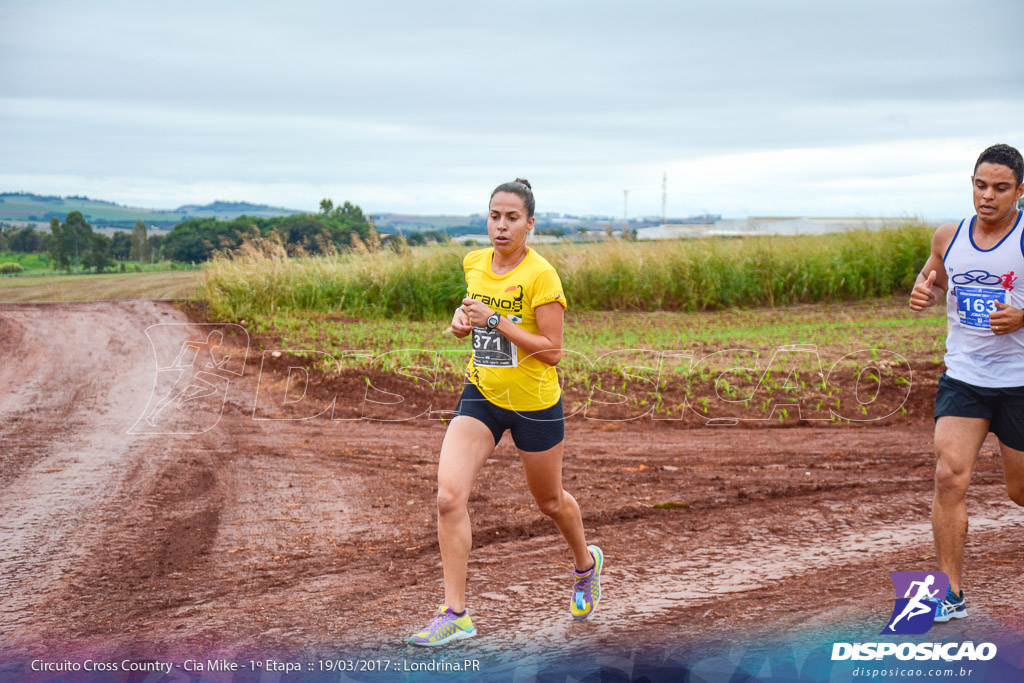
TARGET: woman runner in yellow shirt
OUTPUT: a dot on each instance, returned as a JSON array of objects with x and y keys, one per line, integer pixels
[{"x": 513, "y": 309}]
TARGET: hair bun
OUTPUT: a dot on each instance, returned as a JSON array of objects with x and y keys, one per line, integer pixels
[{"x": 524, "y": 181}]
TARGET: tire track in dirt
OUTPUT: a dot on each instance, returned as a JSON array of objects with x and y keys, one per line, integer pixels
[
  {"x": 111, "y": 539},
  {"x": 80, "y": 373}
]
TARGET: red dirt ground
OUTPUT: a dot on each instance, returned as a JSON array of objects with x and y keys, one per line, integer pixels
[{"x": 318, "y": 535}]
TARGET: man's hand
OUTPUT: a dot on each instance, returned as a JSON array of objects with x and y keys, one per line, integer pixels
[
  {"x": 1006, "y": 320},
  {"x": 460, "y": 326},
  {"x": 923, "y": 296}
]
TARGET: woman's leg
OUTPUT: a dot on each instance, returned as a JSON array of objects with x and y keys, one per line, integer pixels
[
  {"x": 467, "y": 445},
  {"x": 544, "y": 478}
]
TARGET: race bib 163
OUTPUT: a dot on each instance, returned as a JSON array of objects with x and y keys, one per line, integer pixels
[{"x": 975, "y": 304}]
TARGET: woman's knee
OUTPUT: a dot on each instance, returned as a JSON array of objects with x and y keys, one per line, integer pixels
[
  {"x": 551, "y": 506},
  {"x": 450, "y": 501}
]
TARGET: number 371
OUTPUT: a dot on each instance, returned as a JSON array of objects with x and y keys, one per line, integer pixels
[{"x": 481, "y": 342}]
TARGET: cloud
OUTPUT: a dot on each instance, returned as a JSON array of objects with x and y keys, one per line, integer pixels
[{"x": 418, "y": 103}]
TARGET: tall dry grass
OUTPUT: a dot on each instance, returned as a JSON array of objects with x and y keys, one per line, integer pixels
[
  {"x": 690, "y": 275},
  {"x": 716, "y": 273},
  {"x": 261, "y": 278}
]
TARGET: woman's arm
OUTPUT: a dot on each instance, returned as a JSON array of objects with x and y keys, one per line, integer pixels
[{"x": 546, "y": 346}]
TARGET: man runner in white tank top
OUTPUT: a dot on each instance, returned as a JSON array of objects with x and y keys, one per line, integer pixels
[{"x": 978, "y": 265}]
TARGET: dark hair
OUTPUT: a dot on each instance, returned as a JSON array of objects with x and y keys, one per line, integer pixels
[
  {"x": 521, "y": 188},
  {"x": 1004, "y": 155}
]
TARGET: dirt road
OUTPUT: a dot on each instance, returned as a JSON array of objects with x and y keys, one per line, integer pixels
[{"x": 308, "y": 536}]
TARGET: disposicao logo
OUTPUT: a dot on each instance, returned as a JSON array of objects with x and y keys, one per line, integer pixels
[
  {"x": 917, "y": 596},
  {"x": 914, "y": 612}
]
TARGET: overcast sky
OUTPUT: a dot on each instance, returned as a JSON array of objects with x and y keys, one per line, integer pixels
[{"x": 853, "y": 108}]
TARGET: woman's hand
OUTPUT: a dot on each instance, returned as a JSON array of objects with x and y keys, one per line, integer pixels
[
  {"x": 476, "y": 312},
  {"x": 460, "y": 326}
]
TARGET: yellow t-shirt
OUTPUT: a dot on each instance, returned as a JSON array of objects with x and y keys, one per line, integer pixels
[{"x": 508, "y": 377}]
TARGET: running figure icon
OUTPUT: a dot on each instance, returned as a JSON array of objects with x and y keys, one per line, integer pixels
[{"x": 916, "y": 606}]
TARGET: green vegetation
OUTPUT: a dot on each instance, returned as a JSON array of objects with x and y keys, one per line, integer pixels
[
  {"x": 334, "y": 229},
  {"x": 73, "y": 244},
  {"x": 687, "y": 275},
  {"x": 711, "y": 274},
  {"x": 28, "y": 262},
  {"x": 834, "y": 328},
  {"x": 599, "y": 346},
  {"x": 140, "y": 248},
  {"x": 40, "y": 265},
  {"x": 261, "y": 279},
  {"x": 23, "y": 240}
]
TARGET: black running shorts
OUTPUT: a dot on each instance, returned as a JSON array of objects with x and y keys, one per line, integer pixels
[
  {"x": 532, "y": 430},
  {"x": 1003, "y": 408}
]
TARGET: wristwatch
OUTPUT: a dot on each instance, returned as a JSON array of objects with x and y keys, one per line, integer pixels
[{"x": 493, "y": 321}]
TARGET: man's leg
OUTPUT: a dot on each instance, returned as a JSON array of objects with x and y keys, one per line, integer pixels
[
  {"x": 957, "y": 442},
  {"x": 1013, "y": 468}
]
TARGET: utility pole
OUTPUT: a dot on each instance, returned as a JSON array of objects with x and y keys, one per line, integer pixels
[
  {"x": 625, "y": 209},
  {"x": 664, "y": 195}
]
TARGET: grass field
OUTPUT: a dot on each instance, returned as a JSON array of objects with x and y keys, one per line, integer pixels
[
  {"x": 680, "y": 275},
  {"x": 40, "y": 264},
  {"x": 868, "y": 324},
  {"x": 29, "y": 262},
  {"x": 601, "y": 345},
  {"x": 885, "y": 322},
  {"x": 161, "y": 285}
]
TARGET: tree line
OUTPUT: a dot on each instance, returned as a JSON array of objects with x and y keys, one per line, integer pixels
[
  {"x": 74, "y": 245},
  {"x": 333, "y": 229}
]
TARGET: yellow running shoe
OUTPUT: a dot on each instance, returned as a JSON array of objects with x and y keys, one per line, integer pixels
[
  {"x": 586, "y": 588},
  {"x": 445, "y": 627}
]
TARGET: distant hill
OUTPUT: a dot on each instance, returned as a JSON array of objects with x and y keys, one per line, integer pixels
[
  {"x": 452, "y": 225},
  {"x": 38, "y": 209},
  {"x": 233, "y": 210},
  {"x": 476, "y": 224},
  {"x": 26, "y": 207}
]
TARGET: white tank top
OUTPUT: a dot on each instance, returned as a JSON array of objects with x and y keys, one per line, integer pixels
[{"x": 977, "y": 278}]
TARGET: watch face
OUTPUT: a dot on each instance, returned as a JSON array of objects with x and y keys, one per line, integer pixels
[{"x": 493, "y": 321}]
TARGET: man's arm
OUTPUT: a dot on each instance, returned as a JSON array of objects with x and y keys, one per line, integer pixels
[{"x": 932, "y": 281}]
